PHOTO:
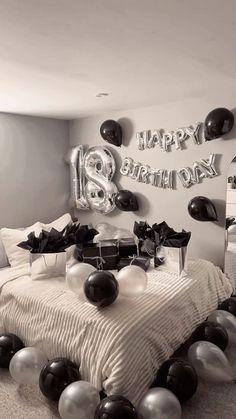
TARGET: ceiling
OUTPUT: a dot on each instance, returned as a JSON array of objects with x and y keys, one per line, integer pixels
[{"x": 57, "y": 55}]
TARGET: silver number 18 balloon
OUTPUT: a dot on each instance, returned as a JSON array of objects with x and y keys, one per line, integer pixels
[{"x": 99, "y": 168}]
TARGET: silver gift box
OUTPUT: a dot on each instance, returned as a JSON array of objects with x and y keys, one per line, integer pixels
[
  {"x": 173, "y": 258},
  {"x": 47, "y": 265}
]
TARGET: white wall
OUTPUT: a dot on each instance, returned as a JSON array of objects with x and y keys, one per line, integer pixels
[
  {"x": 232, "y": 168},
  {"x": 157, "y": 205},
  {"x": 34, "y": 179}
]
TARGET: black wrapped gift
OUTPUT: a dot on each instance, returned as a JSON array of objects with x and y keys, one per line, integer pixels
[
  {"x": 102, "y": 255},
  {"x": 142, "y": 262},
  {"x": 127, "y": 247}
]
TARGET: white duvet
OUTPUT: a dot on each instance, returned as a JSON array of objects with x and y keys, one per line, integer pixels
[{"x": 120, "y": 347}]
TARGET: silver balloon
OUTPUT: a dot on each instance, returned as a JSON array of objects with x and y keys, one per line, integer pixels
[
  {"x": 228, "y": 321},
  {"x": 77, "y": 275},
  {"x": 167, "y": 140},
  {"x": 209, "y": 166},
  {"x": 179, "y": 136},
  {"x": 159, "y": 403},
  {"x": 193, "y": 131},
  {"x": 210, "y": 362},
  {"x": 77, "y": 178},
  {"x": 127, "y": 166},
  {"x": 142, "y": 139},
  {"x": 78, "y": 401},
  {"x": 26, "y": 365},
  {"x": 99, "y": 168},
  {"x": 132, "y": 281},
  {"x": 185, "y": 175},
  {"x": 143, "y": 173}
]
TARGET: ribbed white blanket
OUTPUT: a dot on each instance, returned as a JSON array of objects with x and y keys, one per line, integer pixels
[{"x": 119, "y": 348}]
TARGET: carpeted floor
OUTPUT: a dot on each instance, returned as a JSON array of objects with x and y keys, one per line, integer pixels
[{"x": 25, "y": 402}]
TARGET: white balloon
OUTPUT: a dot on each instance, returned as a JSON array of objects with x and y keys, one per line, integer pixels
[
  {"x": 77, "y": 275},
  {"x": 228, "y": 321},
  {"x": 132, "y": 281},
  {"x": 78, "y": 401},
  {"x": 210, "y": 362},
  {"x": 26, "y": 365},
  {"x": 159, "y": 403}
]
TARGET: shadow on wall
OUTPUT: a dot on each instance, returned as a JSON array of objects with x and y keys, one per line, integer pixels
[
  {"x": 220, "y": 208},
  {"x": 127, "y": 131}
]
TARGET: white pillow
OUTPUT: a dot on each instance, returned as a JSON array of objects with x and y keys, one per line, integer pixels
[
  {"x": 12, "y": 237},
  {"x": 3, "y": 257},
  {"x": 58, "y": 224}
]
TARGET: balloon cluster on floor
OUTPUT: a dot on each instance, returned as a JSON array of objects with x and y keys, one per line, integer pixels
[
  {"x": 176, "y": 380},
  {"x": 101, "y": 288}
]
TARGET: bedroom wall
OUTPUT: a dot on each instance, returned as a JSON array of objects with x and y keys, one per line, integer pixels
[
  {"x": 156, "y": 205},
  {"x": 34, "y": 179}
]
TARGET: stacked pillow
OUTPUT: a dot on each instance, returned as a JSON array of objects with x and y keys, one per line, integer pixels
[{"x": 11, "y": 254}]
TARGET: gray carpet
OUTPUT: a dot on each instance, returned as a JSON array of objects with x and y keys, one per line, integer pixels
[{"x": 25, "y": 402}]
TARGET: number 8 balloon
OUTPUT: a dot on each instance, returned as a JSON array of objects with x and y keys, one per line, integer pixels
[{"x": 99, "y": 169}]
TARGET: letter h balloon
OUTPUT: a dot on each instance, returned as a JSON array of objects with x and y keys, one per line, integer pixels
[{"x": 91, "y": 175}]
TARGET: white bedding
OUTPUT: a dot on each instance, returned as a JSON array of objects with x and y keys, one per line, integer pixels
[{"x": 120, "y": 347}]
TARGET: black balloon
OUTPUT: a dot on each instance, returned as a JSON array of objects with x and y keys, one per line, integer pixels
[
  {"x": 115, "y": 407},
  {"x": 9, "y": 345},
  {"x": 229, "y": 305},
  {"x": 101, "y": 288},
  {"x": 212, "y": 332},
  {"x": 56, "y": 375},
  {"x": 126, "y": 201},
  {"x": 179, "y": 377},
  {"x": 202, "y": 209},
  {"x": 111, "y": 132},
  {"x": 218, "y": 122}
]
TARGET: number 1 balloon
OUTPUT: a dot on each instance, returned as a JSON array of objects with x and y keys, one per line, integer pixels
[
  {"x": 77, "y": 179},
  {"x": 210, "y": 362}
]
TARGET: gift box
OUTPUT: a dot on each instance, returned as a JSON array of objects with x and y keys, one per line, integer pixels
[
  {"x": 47, "y": 265},
  {"x": 173, "y": 258},
  {"x": 127, "y": 247},
  {"x": 102, "y": 255},
  {"x": 142, "y": 262}
]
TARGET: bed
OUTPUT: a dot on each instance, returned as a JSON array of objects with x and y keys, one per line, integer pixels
[{"x": 120, "y": 347}]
